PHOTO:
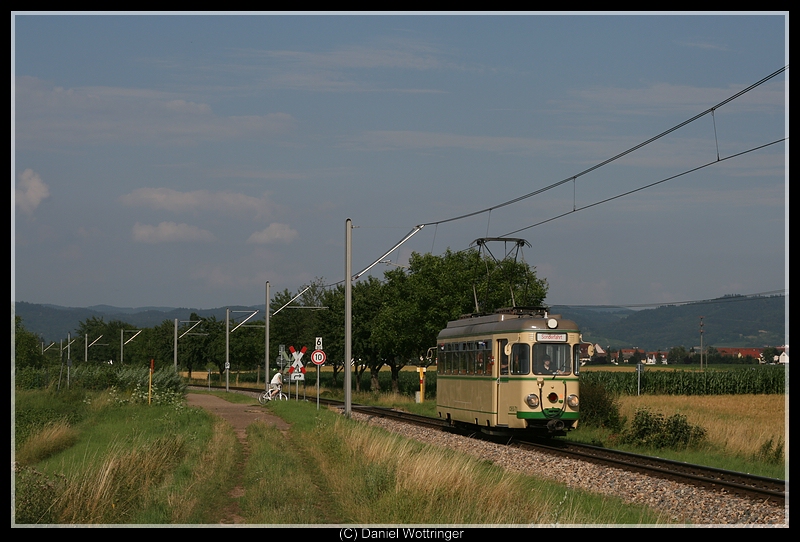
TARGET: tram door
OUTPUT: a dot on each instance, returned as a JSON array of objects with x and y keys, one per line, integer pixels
[{"x": 505, "y": 410}]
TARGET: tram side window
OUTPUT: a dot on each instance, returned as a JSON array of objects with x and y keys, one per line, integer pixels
[
  {"x": 483, "y": 357},
  {"x": 552, "y": 358},
  {"x": 576, "y": 358},
  {"x": 501, "y": 353},
  {"x": 470, "y": 353},
  {"x": 520, "y": 359}
]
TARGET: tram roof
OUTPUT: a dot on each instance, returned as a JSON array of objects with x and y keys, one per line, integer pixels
[{"x": 507, "y": 320}]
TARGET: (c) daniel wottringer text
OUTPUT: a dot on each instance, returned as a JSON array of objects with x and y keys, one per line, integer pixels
[{"x": 398, "y": 533}]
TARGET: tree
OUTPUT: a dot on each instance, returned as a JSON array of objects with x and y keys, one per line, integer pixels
[
  {"x": 192, "y": 348},
  {"x": 97, "y": 346},
  {"x": 418, "y": 303},
  {"x": 330, "y": 326},
  {"x": 770, "y": 355},
  {"x": 27, "y": 347},
  {"x": 158, "y": 344},
  {"x": 213, "y": 342},
  {"x": 367, "y": 303},
  {"x": 677, "y": 354},
  {"x": 293, "y": 326}
]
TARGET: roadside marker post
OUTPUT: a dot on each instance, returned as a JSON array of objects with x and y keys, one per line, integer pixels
[{"x": 318, "y": 358}]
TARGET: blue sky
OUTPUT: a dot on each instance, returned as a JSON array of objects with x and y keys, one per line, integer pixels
[{"x": 185, "y": 160}]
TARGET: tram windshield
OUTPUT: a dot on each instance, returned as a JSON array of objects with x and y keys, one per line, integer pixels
[
  {"x": 520, "y": 359},
  {"x": 551, "y": 359}
]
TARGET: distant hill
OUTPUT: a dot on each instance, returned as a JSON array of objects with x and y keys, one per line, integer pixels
[
  {"x": 728, "y": 321},
  {"x": 53, "y": 322}
]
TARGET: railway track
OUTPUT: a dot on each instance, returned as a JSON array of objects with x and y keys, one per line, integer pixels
[{"x": 742, "y": 484}]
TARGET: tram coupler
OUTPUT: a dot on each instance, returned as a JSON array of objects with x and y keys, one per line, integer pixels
[{"x": 554, "y": 426}]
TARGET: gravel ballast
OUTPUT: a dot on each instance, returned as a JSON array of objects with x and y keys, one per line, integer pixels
[{"x": 680, "y": 502}]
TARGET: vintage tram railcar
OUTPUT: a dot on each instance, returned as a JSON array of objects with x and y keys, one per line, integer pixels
[{"x": 515, "y": 369}]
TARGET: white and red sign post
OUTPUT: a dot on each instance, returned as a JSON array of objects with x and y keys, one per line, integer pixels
[
  {"x": 318, "y": 358},
  {"x": 297, "y": 371}
]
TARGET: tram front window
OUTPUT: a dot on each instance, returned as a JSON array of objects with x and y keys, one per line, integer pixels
[
  {"x": 520, "y": 359},
  {"x": 552, "y": 359}
]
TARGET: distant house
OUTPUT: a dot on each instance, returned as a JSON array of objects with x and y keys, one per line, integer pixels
[
  {"x": 653, "y": 358},
  {"x": 627, "y": 354},
  {"x": 736, "y": 352},
  {"x": 587, "y": 350},
  {"x": 755, "y": 353}
]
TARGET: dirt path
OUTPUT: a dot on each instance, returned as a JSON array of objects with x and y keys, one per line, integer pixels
[{"x": 239, "y": 416}]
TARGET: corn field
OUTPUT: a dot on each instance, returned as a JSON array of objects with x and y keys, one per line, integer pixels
[{"x": 770, "y": 379}]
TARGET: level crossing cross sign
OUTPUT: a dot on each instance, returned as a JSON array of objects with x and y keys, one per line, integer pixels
[{"x": 297, "y": 371}]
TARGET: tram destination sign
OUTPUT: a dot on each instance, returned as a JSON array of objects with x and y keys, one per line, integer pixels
[{"x": 551, "y": 337}]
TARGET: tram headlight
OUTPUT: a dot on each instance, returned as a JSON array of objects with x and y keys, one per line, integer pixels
[
  {"x": 572, "y": 401},
  {"x": 532, "y": 400}
]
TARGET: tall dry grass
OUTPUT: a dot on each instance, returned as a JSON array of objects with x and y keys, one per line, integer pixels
[
  {"x": 50, "y": 440},
  {"x": 391, "y": 479},
  {"x": 191, "y": 499},
  {"x": 739, "y": 424},
  {"x": 112, "y": 489}
]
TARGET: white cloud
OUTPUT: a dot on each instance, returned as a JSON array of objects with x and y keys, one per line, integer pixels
[
  {"x": 274, "y": 233},
  {"x": 197, "y": 200},
  {"x": 103, "y": 115},
  {"x": 30, "y": 191},
  {"x": 345, "y": 69},
  {"x": 169, "y": 232}
]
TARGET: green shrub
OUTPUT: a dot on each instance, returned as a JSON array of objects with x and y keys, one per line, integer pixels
[
  {"x": 102, "y": 377},
  {"x": 34, "y": 495},
  {"x": 653, "y": 430},
  {"x": 599, "y": 408},
  {"x": 34, "y": 378},
  {"x": 34, "y": 410},
  {"x": 770, "y": 452}
]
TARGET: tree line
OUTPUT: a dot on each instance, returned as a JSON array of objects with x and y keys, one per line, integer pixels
[{"x": 394, "y": 321}]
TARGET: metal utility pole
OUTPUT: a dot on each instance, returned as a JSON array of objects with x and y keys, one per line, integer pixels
[
  {"x": 227, "y": 345},
  {"x": 123, "y": 342},
  {"x": 348, "y": 316},
  {"x": 175, "y": 342},
  {"x": 266, "y": 341},
  {"x": 701, "y": 343},
  {"x": 87, "y": 346},
  {"x": 228, "y": 332},
  {"x": 348, "y": 301}
]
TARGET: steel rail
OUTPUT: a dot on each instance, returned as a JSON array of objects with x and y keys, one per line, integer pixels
[{"x": 749, "y": 485}]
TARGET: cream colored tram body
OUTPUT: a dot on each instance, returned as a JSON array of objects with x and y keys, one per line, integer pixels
[{"x": 515, "y": 369}]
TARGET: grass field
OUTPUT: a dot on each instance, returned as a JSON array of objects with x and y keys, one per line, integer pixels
[
  {"x": 739, "y": 424},
  {"x": 137, "y": 464},
  {"x": 744, "y": 432}
]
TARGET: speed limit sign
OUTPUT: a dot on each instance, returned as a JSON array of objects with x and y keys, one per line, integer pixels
[{"x": 318, "y": 357}]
